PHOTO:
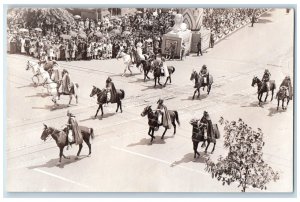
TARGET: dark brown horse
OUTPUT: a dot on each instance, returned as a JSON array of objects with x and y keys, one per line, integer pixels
[
  {"x": 153, "y": 121},
  {"x": 102, "y": 98},
  {"x": 281, "y": 95},
  {"x": 61, "y": 138},
  {"x": 200, "y": 134},
  {"x": 262, "y": 88},
  {"x": 157, "y": 74},
  {"x": 199, "y": 82}
]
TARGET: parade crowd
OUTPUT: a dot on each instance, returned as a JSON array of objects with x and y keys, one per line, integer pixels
[{"x": 87, "y": 39}]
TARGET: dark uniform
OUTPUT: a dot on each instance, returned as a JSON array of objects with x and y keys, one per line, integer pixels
[
  {"x": 199, "y": 47},
  {"x": 204, "y": 73}
]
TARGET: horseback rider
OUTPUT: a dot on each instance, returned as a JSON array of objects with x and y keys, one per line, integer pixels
[
  {"x": 48, "y": 66},
  {"x": 288, "y": 84},
  {"x": 73, "y": 132},
  {"x": 205, "y": 121},
  {"x": 110, "y": 90},
  {"x": 163, "y": 114},
  {"x": 266, "y": 79},
  {"x": 205, "y": 74}
]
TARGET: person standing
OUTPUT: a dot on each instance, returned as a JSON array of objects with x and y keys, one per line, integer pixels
[
  {"x": 211, "y": 40},
  {"x": 182, "y": 51},
  {"x": 199, "y": 46},
  {"x": 252, "y": 20}
]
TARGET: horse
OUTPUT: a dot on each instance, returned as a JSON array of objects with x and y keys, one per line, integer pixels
[
  {"x": 145, "y": 61},
  {"x": 281, "y": 96},
  {"x": 102, "y": 98},
  {"x": 127, "y": 60},
  {"x": 153, "y": 121},
  {"x": 262, "y": 88},
  {"x": 61, "y": 138},
  {"x": 35, "y": 70},
  {"x": 200, "y": 134},
  {"x": 53, "y": 87},
  {"x": 199, "y": 82},
  {"x": 157, "y": 74}
]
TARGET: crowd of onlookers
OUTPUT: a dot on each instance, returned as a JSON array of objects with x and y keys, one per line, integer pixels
[{"x": 89, "y": 39}]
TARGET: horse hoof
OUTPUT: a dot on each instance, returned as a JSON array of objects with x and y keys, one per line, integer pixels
[
  {"x": 212, "y": 152},
  {"x": 205, "y": 152},
  {"x": 88, "y": 155},
  {"x": 162, "y": 138}
]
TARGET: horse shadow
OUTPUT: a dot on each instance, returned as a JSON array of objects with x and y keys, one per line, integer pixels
[
  {"x": 273, "y": 111},
  {"x": 133, "y": 74},
  {"x": 202, "y": 96},
  {"x": 42, "y": 95},
  {"x": 152, "y": 87},
  {"x": 55, "y": 162},
  {"x": 29, "y": 86},
  {"x": 264, "y": 21},
  {"x": 147, "y": 141},
  {"x": 255, "y": 104},
  {"x": 190, "y": 158},
  {"x": 106, "y": 115},
  {"x": 140, "y": 80},
  {"x": 53, "y": 107}
]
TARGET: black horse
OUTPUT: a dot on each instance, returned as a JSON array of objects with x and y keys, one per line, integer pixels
[
  {"x": 102, "y": 98},
  {"x": 262, "y": 88},
  {"x": 61, "y": 138},
  {"x": 201, "y": 134},
  {"x": 199, "y": 82},
  {"x": 157, "y": 74},
  {"x": 153, "y": 121},
  {"x": 282, "y": 94}
]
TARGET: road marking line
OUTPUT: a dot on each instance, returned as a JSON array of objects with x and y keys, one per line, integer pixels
[
  {"x": 61, "y": 178},
  {"x": 159, "y": 160}
]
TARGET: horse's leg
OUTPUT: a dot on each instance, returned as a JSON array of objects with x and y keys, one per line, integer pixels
[
  {"x": 272, "y": 94},
  {"x": 162, "y": 137},
  {"x": 198, "y": 92},
  {"x": 155, "y": 81},
  {"x": 266, "y": 96},
  {"x": 97, "y": 110},
  {"x": 194, "y": 93},
  {"x": 70, "y": 99},
  {"x": 174, "y": 125},
  {"x": 208, "y": 89},
  {"x": 147, "y": 74},
  {"x": 166, "y": 81},
  {"x": 121, "y": 106},
  {"x": 79, "y": 150},
  {"x": 87, "y": 141},
  {"x": 278, "y": 104},
  {"x": 282, "y": 106},
  {"x": 170, "y": 79},
  {"x": 207, "y": 146},
  {"x": 152, "y": 135},
  {"x": 117, "y": 106},
  {"x": 76, "y": 97},
  {"x": 195, "y": 147},
  {"x": 101, "y": 110},
  {"x": 159, "y": 81},
  {"x": 149, "y": 131},
  {"x": 60, "y": 153},
  {"x": 212, "y": 151}
]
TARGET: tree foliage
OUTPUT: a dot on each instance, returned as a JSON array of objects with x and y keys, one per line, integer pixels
[
  {"x": 244, "y": 162},
  {"x": 32, "y": 16}
]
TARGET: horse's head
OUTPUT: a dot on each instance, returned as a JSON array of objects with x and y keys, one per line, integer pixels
[
  {"x": 28, "y": 65},
  {"x": 94, "y": 91},
  {"x": 146, "y": 111},
  {"x": 193, "y": 75},
  {"x": 254, "y": 81},
  {"x": 46, "y": 132}
]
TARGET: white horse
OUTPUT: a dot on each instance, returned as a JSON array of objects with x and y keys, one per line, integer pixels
[
  {"x": 127, "y": 60},
  {"x": 35, "y": 67}
]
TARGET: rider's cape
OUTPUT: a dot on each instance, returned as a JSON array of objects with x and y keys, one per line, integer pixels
[
  {"x": 166, "y": 121},
  {"x": 113, "y": 91},
  {"x": 76, "y": 130},
  {"x": 66, "y": 84}
]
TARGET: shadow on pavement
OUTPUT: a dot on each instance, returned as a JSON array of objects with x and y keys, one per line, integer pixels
[
  {"x": 53, "y": 107},
  {"x": 190, "y": 157},
  {"x": 273, "y": 111},
  {"x": 30, "y": 85},
  {"x": 42, "y": 95},
  {"x": 140, "y": 81},
  {"x": 146, "y": 141},
  {"x": 105, "y": 115},
  {"x": 264, "y": 21},
  {"x": 55, "y": 162},
  {"x": 202, "y": 96},
  {"x": 255, "y": 104}
]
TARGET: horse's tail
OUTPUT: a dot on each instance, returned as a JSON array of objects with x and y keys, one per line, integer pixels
[
  {"x": 177, "y": 117},
  {"x": 173, "y": 69},
  {"x": 122, "y": 95}
]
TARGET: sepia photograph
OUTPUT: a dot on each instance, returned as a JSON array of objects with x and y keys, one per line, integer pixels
[{"x": 149, "y": 99}]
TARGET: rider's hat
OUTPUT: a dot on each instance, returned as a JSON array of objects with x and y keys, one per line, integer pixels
[
  {"x": 205, "y": 113},
  {"x": 108, "y": 80},
  {"x": 70, "y": 114},
  {"x": 266, "y": 70},
  {"x": 160, "y": 101},
  {"x": 204, "y": 67}
]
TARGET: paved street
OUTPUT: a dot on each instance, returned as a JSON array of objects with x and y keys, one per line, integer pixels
[{"x": 122, "y": 157}]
